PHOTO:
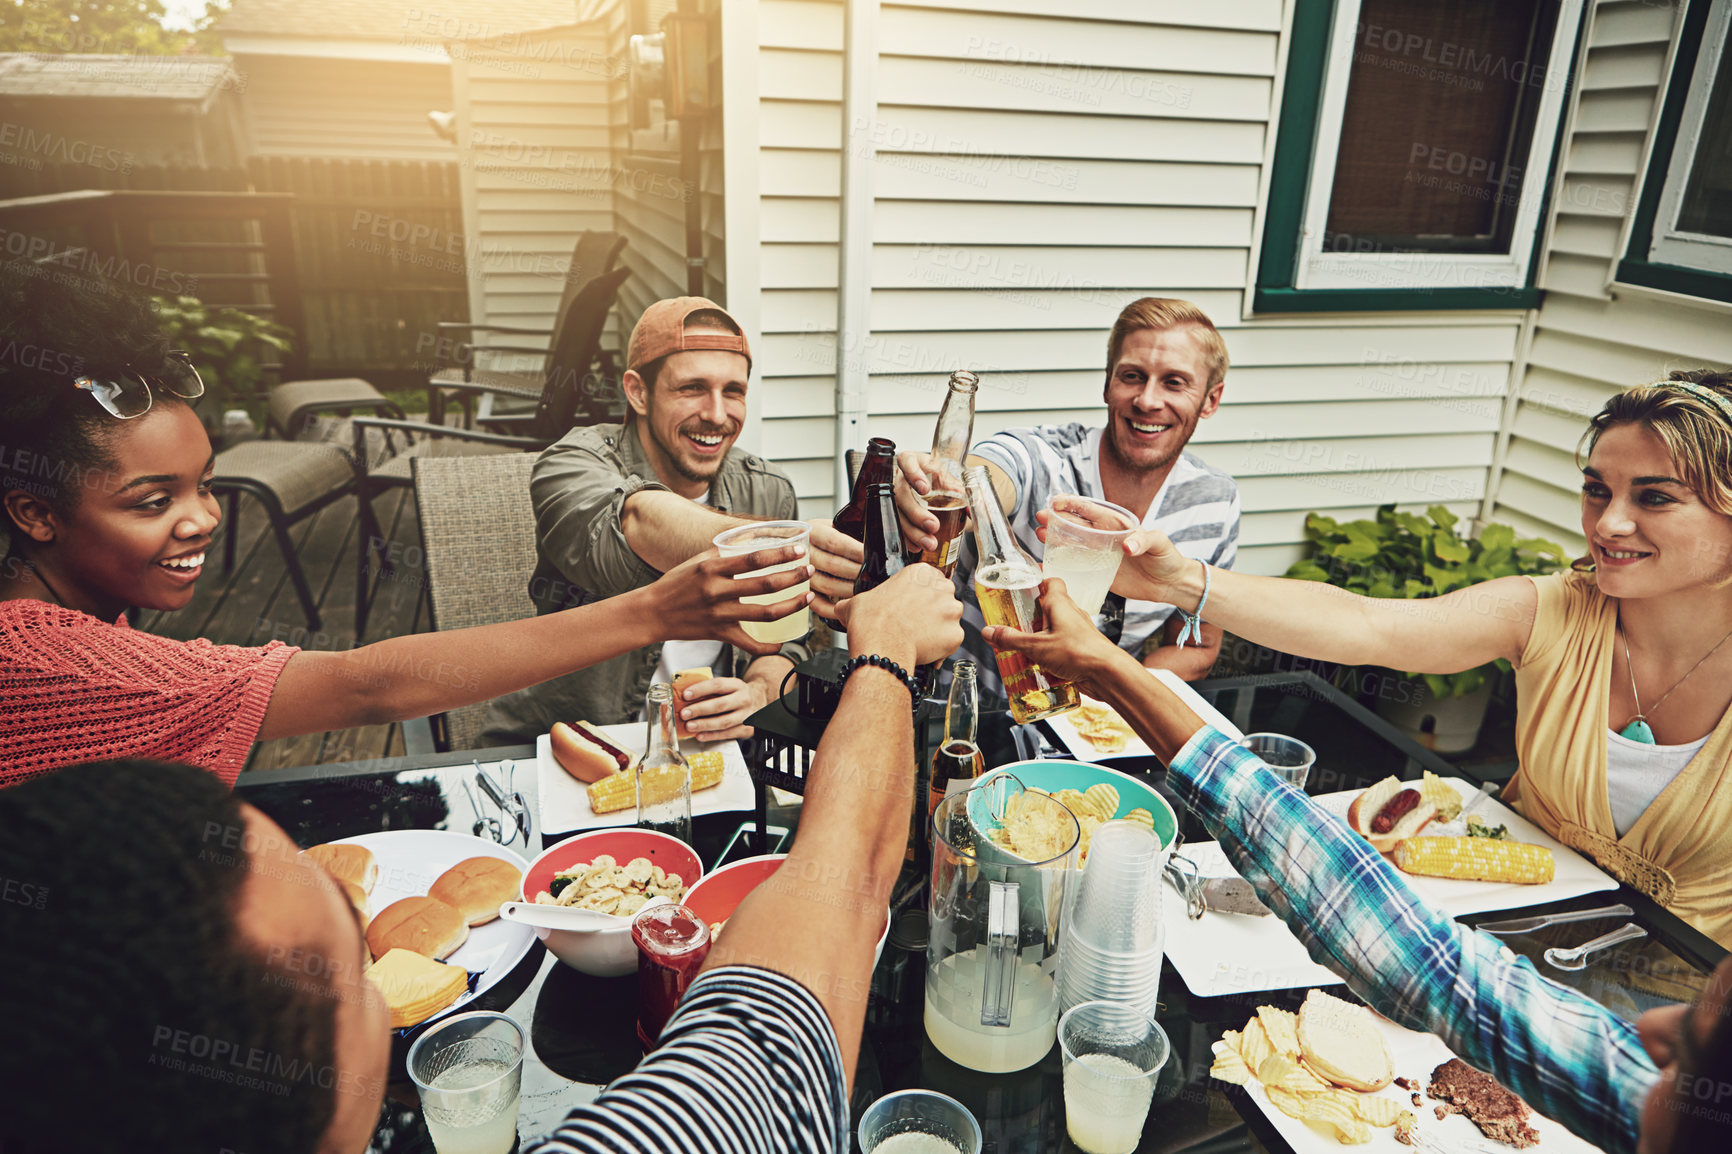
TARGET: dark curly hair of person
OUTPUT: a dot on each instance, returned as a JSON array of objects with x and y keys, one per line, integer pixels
[
  {"x": 131, "y": 998},
  {"x": 57, "y": 324}
]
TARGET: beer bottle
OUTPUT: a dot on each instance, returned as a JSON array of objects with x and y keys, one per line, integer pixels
[
  {"x": 946, "y": 498},
  {"x": 1007, "y": 588},
  {"x": 883, "y": 539},
  {"x": 957, "y": 757},
  {"x": 879, "y": 465}
]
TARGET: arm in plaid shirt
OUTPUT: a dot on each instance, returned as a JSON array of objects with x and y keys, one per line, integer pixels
[{"x": 1570, "y": 1058}]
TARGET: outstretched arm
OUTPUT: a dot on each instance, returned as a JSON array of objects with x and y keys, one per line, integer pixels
[
  {"x": 835, "y": 885},
  {"x": 1446, "y": 634},
  {"x": 424, "y": 673},
  {"x": 1572, "y": 1059}
]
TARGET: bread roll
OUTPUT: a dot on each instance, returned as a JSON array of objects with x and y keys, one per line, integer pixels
[
  {"x": 350, "y": 863},
  {"x": 476, "y": 886},
  {"x": 1340, "y": 1042},
  {"x": 684, "y": 680},
  {"x": 357, "y": 898},
  {"x": 426, "y": 926}
]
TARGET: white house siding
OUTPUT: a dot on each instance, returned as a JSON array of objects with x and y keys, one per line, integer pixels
[
  {"x": 1592, "y": 338},
  {"x": 1040, "y": 163},
  {"x": 534, "y": 127},
  {"x": 364, "y": 109}
]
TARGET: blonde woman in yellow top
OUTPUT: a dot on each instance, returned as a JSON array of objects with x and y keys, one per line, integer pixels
[{"x": 1623, "y": 665}]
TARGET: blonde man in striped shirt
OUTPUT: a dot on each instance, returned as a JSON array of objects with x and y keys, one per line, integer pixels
[{"x": 1166, "y": 371}]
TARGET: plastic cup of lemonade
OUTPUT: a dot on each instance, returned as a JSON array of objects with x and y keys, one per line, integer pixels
[{"x": 771, "y": 535}]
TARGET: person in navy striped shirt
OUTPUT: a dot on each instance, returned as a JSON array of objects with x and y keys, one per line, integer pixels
[
  {"x": 1166, "y": 371},
  {"x": 179, "y": 978}
]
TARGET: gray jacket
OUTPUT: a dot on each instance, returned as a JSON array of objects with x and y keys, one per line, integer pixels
[{"x": 579, "y": 488}]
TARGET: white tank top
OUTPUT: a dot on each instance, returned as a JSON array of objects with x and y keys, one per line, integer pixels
[{"x": 1637, "y": 773}]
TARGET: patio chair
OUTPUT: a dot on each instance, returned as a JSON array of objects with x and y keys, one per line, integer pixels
[
  {"x": 478, "y": 543},
  {"x": 575, "y": 338},
  {"x": 291, "y": 406},
  {"x": 380, "y": 463},
  {"x": 292, "y": 480}
]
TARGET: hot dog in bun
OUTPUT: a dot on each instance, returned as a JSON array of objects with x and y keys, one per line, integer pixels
[
  {"x": 585, "y": 754},
  {"x": 1389, "y": 813}
]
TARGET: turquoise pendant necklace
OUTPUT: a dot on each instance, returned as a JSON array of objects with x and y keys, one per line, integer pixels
[{"x": 1638, "y": 729}]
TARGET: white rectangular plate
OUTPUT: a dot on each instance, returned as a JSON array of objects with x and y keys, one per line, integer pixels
[
  {"x": 565, "y": 802},
  {"x": 1575, "y": 875},
  {"x": 1080, "y": 748},
  {"x": 1416, "y": 1056},
  {"x": 1235, "y": 954}
]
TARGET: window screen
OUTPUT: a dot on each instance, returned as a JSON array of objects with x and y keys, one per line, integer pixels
[{"x": 1438, "y": 124}]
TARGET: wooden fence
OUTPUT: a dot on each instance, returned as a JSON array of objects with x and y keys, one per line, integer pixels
[{"x": 379, "y": 249}]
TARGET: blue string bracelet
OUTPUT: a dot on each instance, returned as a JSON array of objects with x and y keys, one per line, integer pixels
[{"x": 1193, "y": 628}]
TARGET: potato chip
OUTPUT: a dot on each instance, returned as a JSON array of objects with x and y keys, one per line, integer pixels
[
  {"x": 1071, "y": 799},
  {"x": 1283, "y": 1072},
  {"x": 1140, "y": 817},
  {"x": 1282, "y": 1027},
  {"x": 1104, "y": 798},
  {"x": 1099, "y": 725},
  {"x": 1291, "y": 1104},
  {"x": 1230, "y": 1067},
  {"x": 1254, "y": 1045},
  {"x": 1377, "y": 1111},
  {"x": 1336, "y": 1111},
  {"x": 1031, "y": 830}
]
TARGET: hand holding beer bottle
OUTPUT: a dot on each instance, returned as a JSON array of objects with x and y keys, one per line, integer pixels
[
  {"x": 1007, "y": 585},
  {"x": 1068, "y": 645},
  {"x": 934, "y": 502}
]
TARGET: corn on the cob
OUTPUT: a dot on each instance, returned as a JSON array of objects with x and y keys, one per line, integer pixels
[
  {"x": 616, "y": 791},
  {"x": 1476, "y": 859}
]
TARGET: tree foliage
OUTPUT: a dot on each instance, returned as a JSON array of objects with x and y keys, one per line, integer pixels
[{"x": 125, "y": 27}]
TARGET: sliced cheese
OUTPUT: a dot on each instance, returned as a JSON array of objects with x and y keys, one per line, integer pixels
[{"x": 416, "y": 987}]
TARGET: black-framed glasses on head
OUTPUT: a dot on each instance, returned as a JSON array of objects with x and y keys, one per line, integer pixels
[{"x": 127, "y": 394}]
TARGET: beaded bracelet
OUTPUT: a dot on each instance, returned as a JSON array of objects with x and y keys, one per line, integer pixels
[
  {"x": 884, "y": 663},
  {"x": 1193, "y": 627}
]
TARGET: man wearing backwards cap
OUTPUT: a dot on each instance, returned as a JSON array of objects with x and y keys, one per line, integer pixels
[{"x": 618, "y": 505}]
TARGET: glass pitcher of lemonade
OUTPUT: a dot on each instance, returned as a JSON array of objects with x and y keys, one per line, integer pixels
[{"x": 1001, "y": 857}]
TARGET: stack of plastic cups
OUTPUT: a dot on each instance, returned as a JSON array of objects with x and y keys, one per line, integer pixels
[{"x": 1112, "y": 943}]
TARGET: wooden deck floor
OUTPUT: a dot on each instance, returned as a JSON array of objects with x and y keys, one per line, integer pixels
[{"x": 256, "y": 603}]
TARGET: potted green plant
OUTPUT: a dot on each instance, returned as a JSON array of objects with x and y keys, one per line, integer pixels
[
  {"x": 232, "y": 350},
  {"x": 1406, "y": 555}
]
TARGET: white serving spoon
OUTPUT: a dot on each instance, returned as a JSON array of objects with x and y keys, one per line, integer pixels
[{"x": 547, "y": 917}]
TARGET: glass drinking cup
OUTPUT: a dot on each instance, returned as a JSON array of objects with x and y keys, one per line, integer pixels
[
  {"x": 469, "y": 1071},
  {"x": 1290, "y": 758},
  {"x": 938, "y": 1123}
]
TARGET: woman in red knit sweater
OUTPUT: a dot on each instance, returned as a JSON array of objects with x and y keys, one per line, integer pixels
[{"x": 107, "y": 510}]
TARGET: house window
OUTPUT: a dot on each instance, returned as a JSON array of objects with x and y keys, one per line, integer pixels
[
  {"x": 1681, "y": 238},
  {"x": 1414, "y": 152}
]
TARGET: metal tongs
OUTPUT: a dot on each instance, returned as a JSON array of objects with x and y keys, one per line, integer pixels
[
  {"x": 1182, "y": 872},
  {"x": 509, "y": 801}
]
